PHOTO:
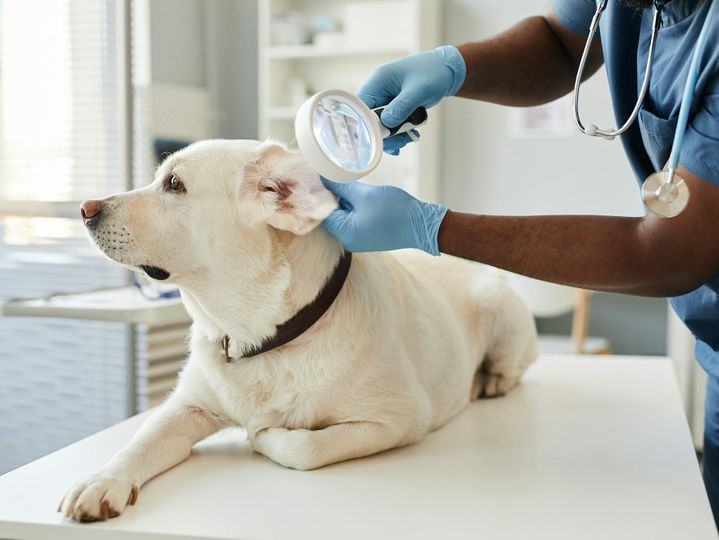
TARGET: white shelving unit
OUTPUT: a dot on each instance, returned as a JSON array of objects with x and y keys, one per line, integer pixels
[
  {"x": 315, "y": 51},
  {"x": 361, "y": 41}
]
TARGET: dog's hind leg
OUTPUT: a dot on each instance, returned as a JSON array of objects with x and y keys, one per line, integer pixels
[
  {"x": 511, "y": 340},
  {"x": 306, "y": 449}
]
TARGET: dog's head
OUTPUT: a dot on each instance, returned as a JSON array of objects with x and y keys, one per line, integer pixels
[{"x": 214, "y": 200}]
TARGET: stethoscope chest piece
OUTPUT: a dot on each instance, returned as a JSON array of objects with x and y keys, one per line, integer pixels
[{"x": 664, "y": 196}]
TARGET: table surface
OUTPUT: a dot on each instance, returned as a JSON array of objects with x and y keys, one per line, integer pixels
[
  {"x": 122, "y": 304},
  {"x": 586, "y": 447}
]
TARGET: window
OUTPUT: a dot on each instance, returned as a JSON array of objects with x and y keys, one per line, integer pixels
[{"x": 63, "y": 127}]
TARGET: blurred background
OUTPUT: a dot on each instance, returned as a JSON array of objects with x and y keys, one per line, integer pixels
[{"x": 94, "y": 92}]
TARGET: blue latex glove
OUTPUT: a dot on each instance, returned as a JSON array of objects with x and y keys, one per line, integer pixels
[
  {"x": 419, "y": 80},
  {"x": 382, "y": 218}
]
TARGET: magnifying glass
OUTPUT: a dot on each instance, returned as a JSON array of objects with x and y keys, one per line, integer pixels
[{"x": 341, "y": 138}]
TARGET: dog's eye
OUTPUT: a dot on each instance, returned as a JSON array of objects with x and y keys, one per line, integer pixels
[{"x": 174, "y": 185}]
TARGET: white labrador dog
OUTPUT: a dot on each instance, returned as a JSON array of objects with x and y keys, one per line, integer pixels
[{"x": 407, "y": 343}]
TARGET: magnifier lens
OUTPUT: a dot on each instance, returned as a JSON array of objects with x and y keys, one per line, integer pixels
[{"x": 341, "y": 133}]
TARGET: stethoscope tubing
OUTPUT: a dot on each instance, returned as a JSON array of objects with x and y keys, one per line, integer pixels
[
  {"x": 690, "y": 89},
  {"x": 605, "y": 133}
]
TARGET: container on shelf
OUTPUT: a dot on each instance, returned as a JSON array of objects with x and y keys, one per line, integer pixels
[
  {"x": 290, "y": 28},
  {"x": 385, "y": 24}
]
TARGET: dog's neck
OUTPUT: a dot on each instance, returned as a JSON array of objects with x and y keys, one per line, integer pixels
[{"x": 292, "y": 272}]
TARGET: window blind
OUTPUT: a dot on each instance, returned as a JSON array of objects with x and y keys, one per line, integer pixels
[
  {"x": 61, "y": 109},
  {"x": 62, "y": 140}
]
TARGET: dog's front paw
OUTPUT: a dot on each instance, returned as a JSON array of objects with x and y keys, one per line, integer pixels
[{"x": 99, "y": 497}]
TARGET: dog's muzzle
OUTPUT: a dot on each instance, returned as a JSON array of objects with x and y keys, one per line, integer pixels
[{"x": 110, "y": 240}]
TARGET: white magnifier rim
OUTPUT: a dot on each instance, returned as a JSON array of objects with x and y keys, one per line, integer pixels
[{"x": 310, "y": 146}]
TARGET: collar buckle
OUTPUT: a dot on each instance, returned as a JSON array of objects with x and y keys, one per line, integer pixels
[{"x": 226, "y": 348}]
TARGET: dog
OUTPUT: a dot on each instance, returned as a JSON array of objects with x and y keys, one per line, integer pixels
[{"x": 405, "y": 343}]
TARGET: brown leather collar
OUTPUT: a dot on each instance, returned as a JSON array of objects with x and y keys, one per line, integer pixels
[{"x": 305, "y": 317}]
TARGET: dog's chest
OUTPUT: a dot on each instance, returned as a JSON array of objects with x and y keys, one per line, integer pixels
[{"x": 272, "y": 390}]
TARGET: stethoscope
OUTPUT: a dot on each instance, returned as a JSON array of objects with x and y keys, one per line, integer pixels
[{"x": 665, "y": 193}]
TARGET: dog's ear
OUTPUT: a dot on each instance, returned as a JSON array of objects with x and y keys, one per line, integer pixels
[{"x": 290, "y": 194}]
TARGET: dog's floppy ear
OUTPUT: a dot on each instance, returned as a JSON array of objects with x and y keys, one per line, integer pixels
[{"x": 290, "y": 194}]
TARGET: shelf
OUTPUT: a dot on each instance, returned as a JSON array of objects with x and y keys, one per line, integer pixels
[
  {"x": 313, "y": 51},
  {"x": 370, "y": 37},
  {"x": 124, "y": 304}
]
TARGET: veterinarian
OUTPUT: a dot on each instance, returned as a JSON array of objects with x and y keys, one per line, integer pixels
[{"x": 535, "y": 62}]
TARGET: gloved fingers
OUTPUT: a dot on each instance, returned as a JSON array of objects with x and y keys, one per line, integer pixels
[
  {"x": 338, "y": 188},
  {"x": 350, "y": 194},
  {"x": 399, "y": 109},
  {"x": 392, "y": 145},
  {"x": 374, "y": 99},
  {"x": 337, "y": 222},
  {"x": 381, "y": 87}
]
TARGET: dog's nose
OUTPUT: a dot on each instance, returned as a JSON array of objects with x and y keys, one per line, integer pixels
[{"x": 89, "y": 209}]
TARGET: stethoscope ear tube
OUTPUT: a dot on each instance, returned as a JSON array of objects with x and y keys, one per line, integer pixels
[{"x": 591, "y": 129}]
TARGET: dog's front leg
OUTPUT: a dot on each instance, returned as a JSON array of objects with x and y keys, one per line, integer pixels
[
  {"x": 165, "y": 439},
  {"x": 306, "y": 449}
]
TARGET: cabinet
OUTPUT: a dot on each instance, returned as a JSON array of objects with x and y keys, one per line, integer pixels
[{"x": 310, "y": 45}]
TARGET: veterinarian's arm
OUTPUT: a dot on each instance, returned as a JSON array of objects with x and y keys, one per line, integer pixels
[
  {"x": 648, "y": 256},
  {"x": 533, "y": 62}
]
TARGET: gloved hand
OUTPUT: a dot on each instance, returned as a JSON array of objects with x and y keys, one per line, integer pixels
[
  {"x": 418, "y": 80},
  {"x": 382, "y": 218}
]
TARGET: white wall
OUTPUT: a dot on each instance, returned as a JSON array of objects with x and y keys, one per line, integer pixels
[
  {"x": 203, "y": 67},
  {"x": 231, "y": 28},
  {"x": 177, "y": 42},
  {"x": 486, "y": 171}
]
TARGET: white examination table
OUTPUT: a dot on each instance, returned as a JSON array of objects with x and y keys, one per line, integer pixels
[{"x": 586, "y": 448}]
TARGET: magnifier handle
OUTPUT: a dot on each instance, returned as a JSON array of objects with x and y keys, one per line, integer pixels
[{"x": 416, "y": 119}]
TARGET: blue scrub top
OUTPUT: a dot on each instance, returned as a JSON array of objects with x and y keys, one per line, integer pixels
[{"x": 625, "y": 33}]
